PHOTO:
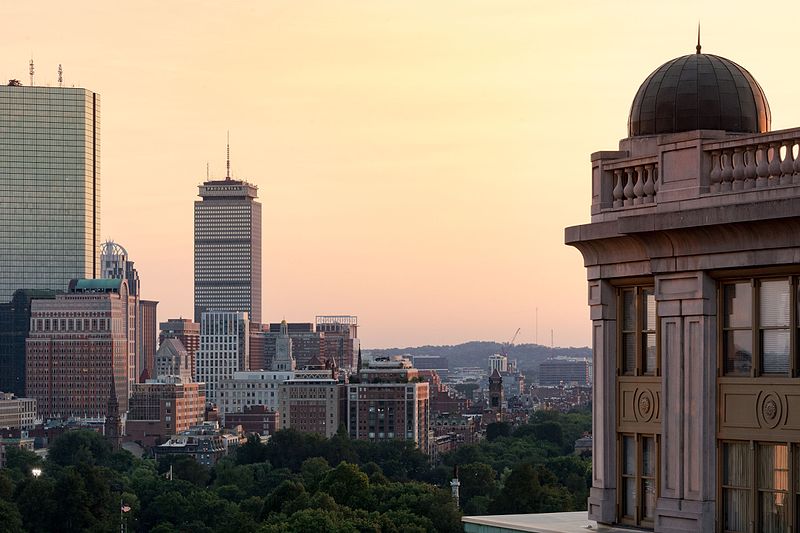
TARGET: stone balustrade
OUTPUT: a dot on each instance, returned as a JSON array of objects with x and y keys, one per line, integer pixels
[
  {"x": 763, "y": 161},
  {"x": 634, "y": 182}
]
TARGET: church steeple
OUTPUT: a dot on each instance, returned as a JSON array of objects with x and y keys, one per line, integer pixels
[
  {"x": 113, "y": 426},
  {"x": 283, "y": 360}
]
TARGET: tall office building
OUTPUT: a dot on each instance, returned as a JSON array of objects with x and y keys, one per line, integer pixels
[
  {"x": 224, "y": 349},
  {"x": 227, "y": 248},
  {"x": 49, "y": 187},
  {"x": 147, "y": 336},
  {"x": 79, "y": 344},
  {"x": 15, "y": 320}
]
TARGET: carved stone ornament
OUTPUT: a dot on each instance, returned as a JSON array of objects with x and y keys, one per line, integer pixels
[{"x": 770, "y": 410}]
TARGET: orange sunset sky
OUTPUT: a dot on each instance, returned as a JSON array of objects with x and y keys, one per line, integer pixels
[{"x": 417, "y": 160}]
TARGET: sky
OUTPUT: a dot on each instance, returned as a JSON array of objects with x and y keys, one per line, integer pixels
[{"x": 417, "y": 161}]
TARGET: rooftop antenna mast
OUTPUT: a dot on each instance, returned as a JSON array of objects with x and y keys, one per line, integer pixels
[
  {"x": 228, "y": 176},
  {"x": 208, "y": 172},
  {"x": 60, "y": 76},
  {"x": 698, "y": 38},
  {"x": 31, "y": 71}
]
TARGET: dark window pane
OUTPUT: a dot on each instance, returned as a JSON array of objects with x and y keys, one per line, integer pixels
[
  {"x": 774, "y": 303},
  {"x": 628, "y": 353},
  {"x": 738, "y": 302},
  {"x": 773, "y": 467},
  {"x": 649, "y": 309},
  {"x": 737, "y": 465},
  {"x": 628, "y": 310},
  {"x": 649, "y": 347},
  {"x": 736, "y": 512},
  {"x": 648, "y": 457},
  {"x": 648, "y": 499},
  {"x": 738, "y": 346},
  {"x": 629, "y": 496},
  {"x": 773, "y": 513},
  {"x": 629, "y": 456},
  {"x": 775, "y": 351}
]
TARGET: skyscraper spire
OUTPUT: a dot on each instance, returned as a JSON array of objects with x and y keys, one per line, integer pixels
[
  {"x": 228, "y": 175},
  {"x": 698, "y": 38}
]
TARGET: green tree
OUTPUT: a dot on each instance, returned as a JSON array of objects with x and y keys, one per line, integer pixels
[
  {"x": 185, "y": 467},
  {"x": 312, "y": 471},
  {"x": 10, "y": 519},
  {"x": 285, "y": 493},
  {"x": 79, "y": 446},
  {"x": 346, "y": 483},
  {"x": 477, "y": 479},
  {"x": 521, "y": 492},
  {"x": 495, "y": 430}
]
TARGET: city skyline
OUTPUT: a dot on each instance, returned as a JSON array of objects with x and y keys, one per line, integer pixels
[{"x": 416, "y": 166}]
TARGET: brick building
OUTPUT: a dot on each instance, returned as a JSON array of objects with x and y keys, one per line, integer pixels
[{"x": 163, "y": 407}]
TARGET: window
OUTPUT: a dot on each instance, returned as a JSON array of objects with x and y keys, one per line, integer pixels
[
  {"x": 637, "y": 339},
  {"x": 638, "y": 476},
  {"x": 755, "y": 486},
  {"x": 758, "y": 338}
]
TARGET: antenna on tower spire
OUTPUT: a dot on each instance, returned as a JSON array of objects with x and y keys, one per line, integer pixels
[
  {"x": 31, "y": 71},
  {"x": 208, "y": 172},
  {"x": 228, "y": 176},
  {"x": 60, "y": 76},
  {"x": 698, "y": 37}
]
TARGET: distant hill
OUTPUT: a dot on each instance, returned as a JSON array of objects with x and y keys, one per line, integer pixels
[{"x": 476, "y": 353}]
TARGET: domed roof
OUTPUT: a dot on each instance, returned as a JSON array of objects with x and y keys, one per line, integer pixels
[{"x": 699, "y": 91}]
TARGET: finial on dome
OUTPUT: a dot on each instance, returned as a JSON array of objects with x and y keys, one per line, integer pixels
[{"x": 698, "y": 37}]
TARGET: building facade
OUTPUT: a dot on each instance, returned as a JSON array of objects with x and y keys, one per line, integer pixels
[
  {"x": 17, "y": 412},
  {"x": 565, "y": 371},
  {"x": 172, "y": 359},
  {"x": 341, "y": 340},
  {"x": 148, "y": 331},
  {"x": 163, "y": 407},
  {"x": 693, "y": 256},
  {"x": 227, "y": 248},
  {"x": 307, "y": 344},
  {"x": 224, "y": 349},
  {"x": 257, "y": 419},
  {"x": 50, "y": 195},
  {"x": 389, "y": 403},
  {"x": 184, "y": 330},
  {"x": 248, "y": 389},
  {"x": 79, "y": 344},
  {"x": 310, "y": 401},
  {"x": 15, "y": 325}
]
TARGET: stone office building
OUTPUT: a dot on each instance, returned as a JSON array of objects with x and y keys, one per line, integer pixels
[{"x": 693, "y": 266}]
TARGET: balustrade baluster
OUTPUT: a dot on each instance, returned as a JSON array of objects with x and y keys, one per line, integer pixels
[
  {"x": 796, "y": 169},
  {"x": 628, "y": 190},
  {"x": 738, "y": 169},
  {"x": 749, "y": 167},
  {"x": 638, "y": 189},
  {"x": 727, "y": 171},
  {"x": 617, "y": 188},
  {"x": 715, "y": 178},
  {"x": 649, "y": 185},
  {"x": 787, "y": 166},
  {"x": 774, "y": 164},
  {"x": 762, "y": 168}
]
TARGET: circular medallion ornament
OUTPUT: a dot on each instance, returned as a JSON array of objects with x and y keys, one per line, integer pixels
[
  {"x": 770, "y": 410},
  {"x": 645, "y": 404}
]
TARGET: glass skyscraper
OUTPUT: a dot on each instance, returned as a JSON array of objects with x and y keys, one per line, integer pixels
[
  {"x": 49, "y": 187},
  {"x": 227, "y": 249}
]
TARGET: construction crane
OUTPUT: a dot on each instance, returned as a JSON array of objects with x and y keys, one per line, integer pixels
[{"x": 507, "y": 346}]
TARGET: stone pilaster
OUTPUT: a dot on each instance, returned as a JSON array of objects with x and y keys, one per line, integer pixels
[
  {"x": 688, "y": 330},
  {"x": 603, "y": 499}
]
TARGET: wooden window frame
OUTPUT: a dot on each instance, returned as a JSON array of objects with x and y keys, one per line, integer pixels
[
  {"x": 639, "y": 332},
  {"x": 792, "y": 486},
  {"x": 638, "y": 518},
  {"x": 756, "y": 363}
]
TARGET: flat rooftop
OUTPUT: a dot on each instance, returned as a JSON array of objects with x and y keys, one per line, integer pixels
[{"x": 576, "y": 522}]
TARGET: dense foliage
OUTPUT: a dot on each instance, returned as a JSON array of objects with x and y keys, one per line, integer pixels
[{"x": 295, "y": 482}]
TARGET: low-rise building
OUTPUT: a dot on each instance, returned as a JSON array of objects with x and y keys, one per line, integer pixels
[
  {"x": 247, "y": 389},
  {"x": 310, "y": 401},
  {"x": 162, "y": 407},
  {"x": 17, "y": 412},
  {"x": 254, "y": 419}
]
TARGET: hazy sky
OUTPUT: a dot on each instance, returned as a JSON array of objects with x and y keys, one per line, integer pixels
[{"x": 417, "y": 160}]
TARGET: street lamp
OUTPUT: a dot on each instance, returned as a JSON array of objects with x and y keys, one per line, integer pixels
[{"x": 36, "y": 472}]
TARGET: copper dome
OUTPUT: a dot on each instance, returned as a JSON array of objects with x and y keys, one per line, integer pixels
[{"x": 699, "y": 91}]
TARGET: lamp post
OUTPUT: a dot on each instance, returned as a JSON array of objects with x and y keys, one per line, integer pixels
[{"x": 36, "y": 472}]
